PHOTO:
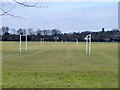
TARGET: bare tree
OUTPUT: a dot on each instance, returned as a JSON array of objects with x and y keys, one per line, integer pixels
[
  {"x": 13, "y": 31},
  {"x": 30, "y": 31},
  {"x": 39, "y": 32},
  {"x": 5, "y": 30},
  {"x": 20, "y": 31},
  {"x": 25, "y": 4}
]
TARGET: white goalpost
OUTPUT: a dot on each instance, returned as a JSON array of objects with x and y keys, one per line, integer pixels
[
  {"x": 20, "y": 42},
  {"x": 42, "y": 40},
  {"x": 89, "y": 44},
  {"x": 76, "y": 42},
  {"x": 88, "y": 40}
]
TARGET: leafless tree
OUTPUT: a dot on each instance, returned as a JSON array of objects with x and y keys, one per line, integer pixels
[
  {"x": 25, "y": 4},
  {"x": 30, "y": 31}
]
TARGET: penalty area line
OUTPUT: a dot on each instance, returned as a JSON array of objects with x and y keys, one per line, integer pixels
[
  {"x": 7, "y": 56},
  {"x": 13, "y": 54}
]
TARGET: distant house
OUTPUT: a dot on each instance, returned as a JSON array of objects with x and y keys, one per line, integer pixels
[
  {"x": 107, "y": 39},
  {"x": 56, "y": 38}
]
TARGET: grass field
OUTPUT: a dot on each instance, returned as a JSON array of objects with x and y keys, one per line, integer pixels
[{"x": 59, "y": 65}]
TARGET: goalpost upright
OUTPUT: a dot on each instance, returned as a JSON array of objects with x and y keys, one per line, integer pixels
[
  {"x": 26, "y": 43},
  {"x": 88, "y": 40},
  {"x": 20, "y": 43},
  {"x": 86, "y": 44},
  {"x": 89, "y": 44},
  {"x": 77, "y": 42}
]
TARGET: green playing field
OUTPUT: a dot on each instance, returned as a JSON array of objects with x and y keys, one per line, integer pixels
[{"x": 59, "y": 65}]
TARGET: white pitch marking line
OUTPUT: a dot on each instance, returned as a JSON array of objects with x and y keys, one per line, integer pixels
[
  {"x": 7, "y": 56},
  {"x": 13, "y": 54}
]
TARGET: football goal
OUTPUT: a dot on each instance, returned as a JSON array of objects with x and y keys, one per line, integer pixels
[
  {"x": 25, "y": 40},
  {"x": 88, "y": 40}
]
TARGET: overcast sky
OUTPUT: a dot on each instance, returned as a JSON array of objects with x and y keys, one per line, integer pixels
[{"x": 65, "y": 16}]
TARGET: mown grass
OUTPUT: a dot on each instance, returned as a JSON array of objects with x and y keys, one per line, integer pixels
[{"x": 60, "y": 65}]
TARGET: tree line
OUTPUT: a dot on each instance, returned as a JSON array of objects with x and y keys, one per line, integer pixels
[{"x": 8, "y": 34}]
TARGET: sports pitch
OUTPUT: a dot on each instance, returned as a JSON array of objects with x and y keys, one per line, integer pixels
[{"x": 59, "y": 65}]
